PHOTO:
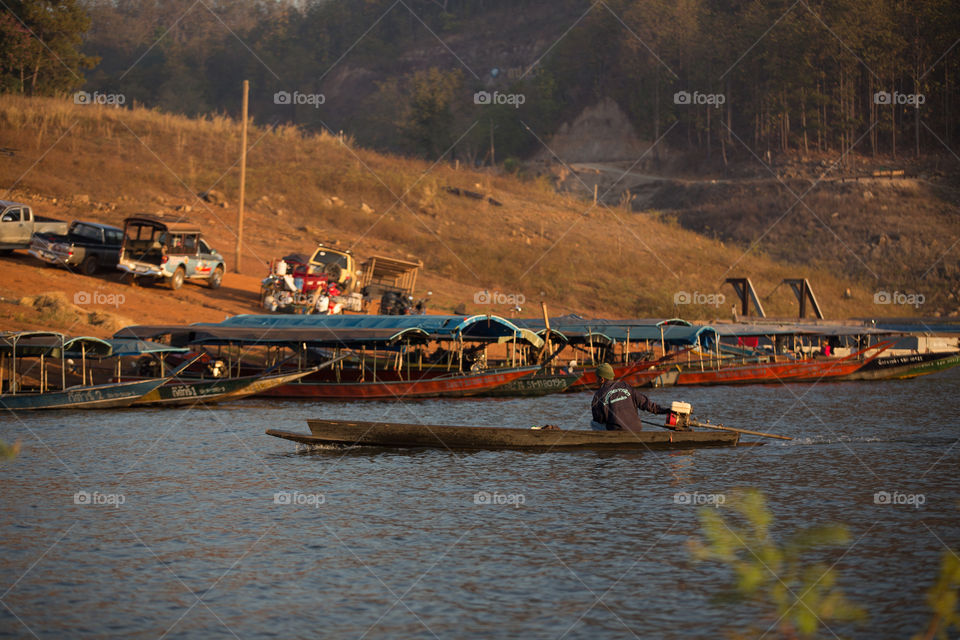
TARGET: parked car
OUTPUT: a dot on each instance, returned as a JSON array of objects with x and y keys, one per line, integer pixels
[
  {"x": 18, "y": 224},
  {"x": 339, "y": 265},
  {"x": 86, "y": 245},
  {"x": 171, "y": 250}
]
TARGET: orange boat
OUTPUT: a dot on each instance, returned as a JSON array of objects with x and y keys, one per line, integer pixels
[{"x": 793, "y": 371}]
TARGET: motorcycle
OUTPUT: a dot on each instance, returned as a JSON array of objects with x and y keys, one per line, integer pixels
[
  {"x": 276, "y": 294},
  {"x": 394, "y": 303}
]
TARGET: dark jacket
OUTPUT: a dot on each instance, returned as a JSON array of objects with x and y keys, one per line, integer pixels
[{"x": 616, "y": 403}]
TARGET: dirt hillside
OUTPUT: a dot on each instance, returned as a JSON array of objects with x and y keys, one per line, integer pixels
[{"x": 522, "y": 243}]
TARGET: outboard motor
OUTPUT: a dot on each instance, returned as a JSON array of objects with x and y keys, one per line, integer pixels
[{"x": 679, "y": 417}]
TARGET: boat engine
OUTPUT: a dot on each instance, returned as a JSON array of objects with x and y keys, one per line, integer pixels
[{"x": 679, "y": 417}]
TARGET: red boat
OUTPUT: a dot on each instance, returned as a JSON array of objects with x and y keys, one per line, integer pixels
[
  {"x": 792, "y": 371},
  {"x": 636, "y": 374},
  {"x": 447, "y": 385}
]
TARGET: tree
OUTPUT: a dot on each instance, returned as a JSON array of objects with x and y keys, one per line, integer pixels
[
  {"x": 429, "y": 117},
  {"x": 50, "y": 60}
]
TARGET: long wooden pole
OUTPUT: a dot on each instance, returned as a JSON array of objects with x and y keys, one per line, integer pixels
[
  {"x": 546, "y": 335},
  {"x": 720, "y": 427},
  {"x": 243, "y": 176}
]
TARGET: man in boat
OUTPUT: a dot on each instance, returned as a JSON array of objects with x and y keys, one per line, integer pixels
[{"x": 616, "y": 404}]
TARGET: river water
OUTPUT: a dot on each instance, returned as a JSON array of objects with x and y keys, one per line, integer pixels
[{"x": 194, "y": 524}]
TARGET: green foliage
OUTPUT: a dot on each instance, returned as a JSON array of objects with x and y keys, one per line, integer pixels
[
  {"x": 794, "y": 76},
  {"x": 40, "y": 46},
  {"x": 782, "y": 580},
  {"x": 428, "y": 120},
  {"x": 8, "y": 451},
  {"x": 944, "y": 599}
]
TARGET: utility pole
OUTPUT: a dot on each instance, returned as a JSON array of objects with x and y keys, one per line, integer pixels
[{"x": 243, "y": 176}]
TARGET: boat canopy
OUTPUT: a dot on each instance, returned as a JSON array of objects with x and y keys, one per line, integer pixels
[
  {"x": 87, "y": 345},
  {"x": 24, "y": 344},
  {"x": 578, "y": 330},
  {"x": 480, "y": 327},
  {"x": 673, "y": 335},
  {"x": 312, "y": 336},
  {"x": 137, "y": 347},
  {"x": 746, "y": 329}
]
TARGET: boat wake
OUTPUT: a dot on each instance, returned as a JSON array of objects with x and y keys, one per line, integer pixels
[
  {"x": 936, "y": 441},
  {"x": 307, "y": 448}
]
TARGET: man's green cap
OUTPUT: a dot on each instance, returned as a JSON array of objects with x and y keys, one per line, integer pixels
[{"x": 605, "y": 371}]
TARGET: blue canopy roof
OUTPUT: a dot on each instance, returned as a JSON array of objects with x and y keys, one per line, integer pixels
[
  {"x": 136, "y": 347},
  {"x": 579, "y": 330},
  {"x": 485, "y": 327}
]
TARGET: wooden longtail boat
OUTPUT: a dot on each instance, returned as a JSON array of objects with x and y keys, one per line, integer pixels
[
  {"x": 90, "y": 396},
  {"x": 384, "y": 434},
  {"x": 793, "y": 371},
  {"x": 451, "y": 385},
  {"x": 905, "y": 366},
  {"x": 100, "y": 396},
  {"x": 187, "y": 392},
  {"x": 535, "y": 385}
]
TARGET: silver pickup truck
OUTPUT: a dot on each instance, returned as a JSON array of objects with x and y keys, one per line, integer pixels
[{"x": 18, "y": 224}]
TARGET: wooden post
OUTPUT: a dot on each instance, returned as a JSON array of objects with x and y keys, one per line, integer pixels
[
  {"x": 546, "y": 335},
  {"x": 243, "y": 176}
]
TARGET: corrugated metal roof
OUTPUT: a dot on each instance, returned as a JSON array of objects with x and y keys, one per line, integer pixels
[
  {"x": 135, "y": 347},
  {"x": 481, "y": 327},
  {"x": 746, "y": 329}
]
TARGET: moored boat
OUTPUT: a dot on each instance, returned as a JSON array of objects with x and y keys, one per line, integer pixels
[
  {"x": 384, "y": 434},
  {"x": 102, "y": 396},
  {"x": 211, "y": 390},
  {"x": 814, "y": 370},
  {"x": 903, "y": 366},
  {"x": 531, "y": 386},
  {"x": 449, "y": 385},
  {"x": 51, "y": 345}
]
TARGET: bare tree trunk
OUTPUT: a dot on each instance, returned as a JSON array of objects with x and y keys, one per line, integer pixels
[
  {"x": 709, "y": 146},
  {"x": 36, "y": 72},
  {"x": 803, "y": 120}
]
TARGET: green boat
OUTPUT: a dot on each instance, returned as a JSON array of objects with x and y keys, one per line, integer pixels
[
  {"x": 52, "y": 345},
  {"x": 910, "y": 365},
  {"x": 535, "y": 385},
  {"x": 187, "y": 392}
]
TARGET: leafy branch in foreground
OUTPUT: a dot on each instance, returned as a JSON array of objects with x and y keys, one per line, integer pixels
[
  {"x": 944, "y": 598},
  {"x": 795, "y": 593},
  {"x": 8, "y": 451}
]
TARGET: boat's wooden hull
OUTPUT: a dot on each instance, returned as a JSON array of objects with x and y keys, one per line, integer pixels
[
  {"x": 383, "y": 434},
  {"x": 212, "y": 390},
  {"x": 905, "y": 366},
  {"x": 103, "y": 396},
  {"x": 532, "y": 386},
  {"x": 772, "y": 372},
  {"x": 440, "y": 386}
]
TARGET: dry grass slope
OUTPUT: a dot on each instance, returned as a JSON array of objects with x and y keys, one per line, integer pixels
[{"x": 303, "y": 187}]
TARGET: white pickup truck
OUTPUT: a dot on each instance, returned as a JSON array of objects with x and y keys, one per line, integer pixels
[{"x": 18, "y": 224}]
